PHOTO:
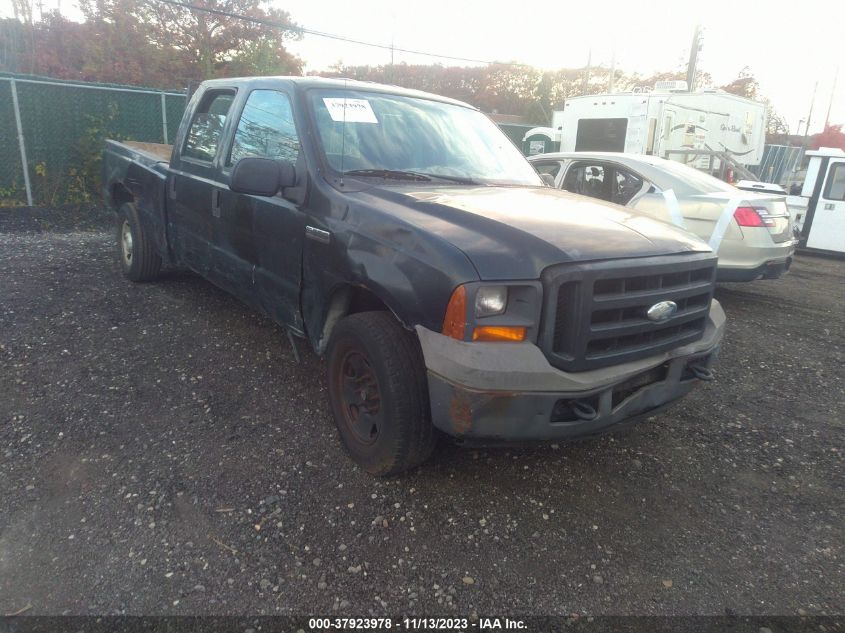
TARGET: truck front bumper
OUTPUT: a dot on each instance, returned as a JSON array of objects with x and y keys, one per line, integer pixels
[{"x": 510, "y": 392}]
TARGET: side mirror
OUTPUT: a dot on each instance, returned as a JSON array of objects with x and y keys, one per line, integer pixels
[
  {"x": 261, "y": 176},
  {"x": 548, "y": 179}
]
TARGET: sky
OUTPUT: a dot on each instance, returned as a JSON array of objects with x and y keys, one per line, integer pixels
[{"x": 789, "y": 46}]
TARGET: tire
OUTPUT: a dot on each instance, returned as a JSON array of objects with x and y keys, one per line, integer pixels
[
  {"x": 139, "y": 260},
  {"x": 379, "y": 394}
]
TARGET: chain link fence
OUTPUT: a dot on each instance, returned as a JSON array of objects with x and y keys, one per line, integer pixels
[
  {"x": 53, "y": 132},
  {"x": 779, "y": 163}
]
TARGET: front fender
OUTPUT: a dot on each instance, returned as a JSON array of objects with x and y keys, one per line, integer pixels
[{"x": 413, "y": 276}]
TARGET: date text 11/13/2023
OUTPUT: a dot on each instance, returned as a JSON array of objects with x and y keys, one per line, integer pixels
[{"x": 416, "y": 624}]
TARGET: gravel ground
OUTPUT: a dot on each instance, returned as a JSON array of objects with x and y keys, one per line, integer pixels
[{"x": 164, "y": 453}]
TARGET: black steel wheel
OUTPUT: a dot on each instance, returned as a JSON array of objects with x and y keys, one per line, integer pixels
[
  {"x": 378, "y": 393},
  {"x": 361, "y": 407}
]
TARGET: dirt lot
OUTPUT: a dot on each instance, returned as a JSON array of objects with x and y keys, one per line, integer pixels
[{"x": 163, "y": 452}]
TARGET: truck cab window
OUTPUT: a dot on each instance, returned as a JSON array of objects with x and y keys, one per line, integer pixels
[
  {"x": 835, "y": 189},
  {"x": 266, "y": 128},
  {"x": 207, "y": 126}
]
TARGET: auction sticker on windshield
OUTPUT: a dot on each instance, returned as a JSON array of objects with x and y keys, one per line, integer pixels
[{"x": 357, "y": 110}]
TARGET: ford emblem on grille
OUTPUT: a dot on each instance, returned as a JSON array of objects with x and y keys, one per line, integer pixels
[{"x": 662, "y": 311}]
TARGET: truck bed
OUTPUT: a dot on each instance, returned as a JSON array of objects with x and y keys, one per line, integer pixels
[
  {"x": 158, "y": 151},
  {"x": 138, "y": 171}
]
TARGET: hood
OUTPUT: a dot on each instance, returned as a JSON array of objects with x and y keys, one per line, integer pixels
[{"x": 516, "y": 232}]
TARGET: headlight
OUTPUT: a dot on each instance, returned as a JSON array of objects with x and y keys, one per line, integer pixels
[
  {"x": 478, "y": 311},
  {"x": 491, "y": 300}
]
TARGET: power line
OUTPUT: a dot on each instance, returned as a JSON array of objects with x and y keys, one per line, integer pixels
[{"x": 304, "y": 31}]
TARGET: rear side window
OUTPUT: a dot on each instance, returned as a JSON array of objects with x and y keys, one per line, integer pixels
[
  {"x": 266, "y": 128},
  {"x": 551, "y": 169},
  {"x": 207, "y": 126},
  {"x": 835, "y": 189},
  {"x": 627, "y": 186}
]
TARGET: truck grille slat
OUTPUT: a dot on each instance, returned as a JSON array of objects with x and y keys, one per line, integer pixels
[
  {"x": 595, "y": 313},
  {"x": 621, "y": 328},
  {"x": 638, "y": 298}
]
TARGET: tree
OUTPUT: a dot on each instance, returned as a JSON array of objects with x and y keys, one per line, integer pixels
[
  {"x": 506, "y": 88},
  {"x": 208, "y": 42},
  {"x": 775, "y": 121},
  {"x": 745, "y": 85},
  {"x": 17, "y": 37},
  {"x": 142, "y": 42},
  {"x": 702, "y": 78},
  {"x": 832, "y": 136},
  {"x": 264, "y": 56}
]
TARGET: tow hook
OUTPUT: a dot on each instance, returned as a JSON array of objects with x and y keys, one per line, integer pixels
[
  {"x": 701, "y": 372},
  {"x": 584, "y": 410}
]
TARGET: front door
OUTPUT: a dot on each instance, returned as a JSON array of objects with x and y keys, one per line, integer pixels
[
  {"x": 257, "y": 240},
  {"x": 828, "y": 228}
]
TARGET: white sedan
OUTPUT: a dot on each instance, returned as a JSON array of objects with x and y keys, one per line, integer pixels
[{"x": 755, "y": 240}]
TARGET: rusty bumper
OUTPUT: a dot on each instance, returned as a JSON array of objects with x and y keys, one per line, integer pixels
[{"x": 502, "y": 391}]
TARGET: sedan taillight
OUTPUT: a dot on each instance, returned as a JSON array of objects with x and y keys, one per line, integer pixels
[{"x": 751, "y": 216}]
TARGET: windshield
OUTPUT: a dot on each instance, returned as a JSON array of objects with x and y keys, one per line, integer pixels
[{"x": 415, "y": 139}]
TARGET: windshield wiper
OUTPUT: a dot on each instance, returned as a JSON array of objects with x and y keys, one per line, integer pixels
[
  {"x": 396, "y": 174},
  {"x": 463, "y": 180}
]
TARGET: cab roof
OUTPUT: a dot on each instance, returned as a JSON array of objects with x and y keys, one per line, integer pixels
[{"x": 326, "y": 83}]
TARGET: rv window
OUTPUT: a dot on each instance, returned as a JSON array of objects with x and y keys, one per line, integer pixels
[
  {"x": 588, "y": 180},
  {"x": 667, "y": 128},
  {"x": 601, "y": 135},
  {"x": 652, "y": 128}
]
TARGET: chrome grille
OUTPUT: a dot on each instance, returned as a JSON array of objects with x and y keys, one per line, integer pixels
[{"x": 595, "y": 313}]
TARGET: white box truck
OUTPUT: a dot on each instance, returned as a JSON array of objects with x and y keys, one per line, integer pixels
[{"x": 823, "y": 224}]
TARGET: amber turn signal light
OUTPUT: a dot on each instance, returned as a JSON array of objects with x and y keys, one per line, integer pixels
[
  {"x": 499, "y": 333},
  {"x": 455, "y": 321}
]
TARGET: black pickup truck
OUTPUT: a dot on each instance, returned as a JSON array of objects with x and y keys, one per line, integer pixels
[{"x": 409, "y": 241}]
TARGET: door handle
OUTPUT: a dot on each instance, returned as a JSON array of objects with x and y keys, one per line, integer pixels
[
  {"x": 829, "y": 206},
  {"x": 215, "y": 203}
]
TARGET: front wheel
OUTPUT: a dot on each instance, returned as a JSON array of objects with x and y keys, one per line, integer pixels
[
  {"x": 139, "y": 260},
  {"x": 379, "y": 394}
]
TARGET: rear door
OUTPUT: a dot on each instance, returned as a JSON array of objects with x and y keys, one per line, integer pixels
[
  {"x": 258, "y": 240},
  {"x": 589, "y": 178},
  {"x": 193, "y": 181},
  {"x": 827, "y": 231}
]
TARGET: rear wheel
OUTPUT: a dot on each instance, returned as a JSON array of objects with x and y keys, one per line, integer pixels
[
  {"x": 139, "y": 259},
  {"x": 378, "y": 393}
]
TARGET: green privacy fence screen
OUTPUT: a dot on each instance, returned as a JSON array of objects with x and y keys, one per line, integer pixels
[{"x": 60, "y": 126}]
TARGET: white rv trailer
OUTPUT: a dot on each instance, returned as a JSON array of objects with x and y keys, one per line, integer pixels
[{"x": 664, "y": 122}]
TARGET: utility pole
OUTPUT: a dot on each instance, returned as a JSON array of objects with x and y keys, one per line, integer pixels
[
  {"x": 810, "y": 116},
  {"x": 612, "y": 72},
  {"x": 832, "y": 95},
  {"x": 585, "y": 82},
  {"x": 692, "y": 66}
]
